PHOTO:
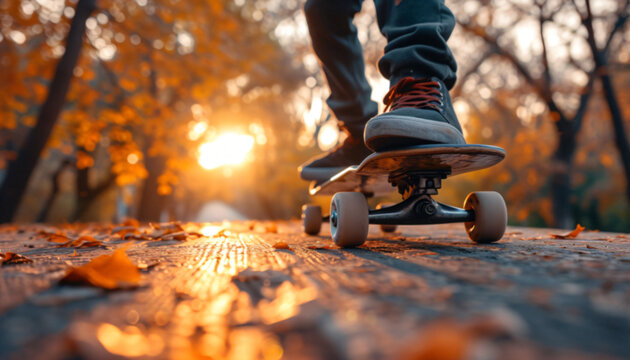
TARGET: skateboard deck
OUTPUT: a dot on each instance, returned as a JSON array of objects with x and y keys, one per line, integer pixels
[{"x": 372, "y": 175}]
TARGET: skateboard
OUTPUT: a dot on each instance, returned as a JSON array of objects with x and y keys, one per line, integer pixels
[{"x": 417, "y": 173}]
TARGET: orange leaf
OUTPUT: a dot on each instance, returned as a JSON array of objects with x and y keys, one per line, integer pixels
[
  {"x": 130, "y": 222},
  {"x": 10, "y": 258},
  {"x": 282, "y": 245},
  {"x": 271, "y": 228},
  {"x": 320, "y": 247},
  {"x": 113, "y": 271},
  {"x": 58, "y": 238},
  {"x": 572, "y": 235}
]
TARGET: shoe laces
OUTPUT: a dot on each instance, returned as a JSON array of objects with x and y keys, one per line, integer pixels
[{"x": 416, "y": 93}]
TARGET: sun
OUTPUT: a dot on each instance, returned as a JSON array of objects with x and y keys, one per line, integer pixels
[{"x": 227, "y": 149}]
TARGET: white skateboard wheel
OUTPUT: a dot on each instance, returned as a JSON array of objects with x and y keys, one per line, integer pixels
[
  {"x": 490, "y": 216},
  {"x": 386, "y": 228},
  {"x": 349, "y": 219},
  {"x": 311, "y": 218}
]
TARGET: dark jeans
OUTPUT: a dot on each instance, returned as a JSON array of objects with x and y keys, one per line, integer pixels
[{"x": 416, "y": 33}]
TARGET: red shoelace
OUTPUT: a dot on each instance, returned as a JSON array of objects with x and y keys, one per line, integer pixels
[{"x": 410, "y": 92}]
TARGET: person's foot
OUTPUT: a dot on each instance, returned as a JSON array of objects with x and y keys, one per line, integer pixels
[
  {"x": 321, "y": 168},
  {"x": 418, "y": 112}
]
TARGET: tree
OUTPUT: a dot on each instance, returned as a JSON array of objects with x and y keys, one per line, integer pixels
[
  {"x": 20, "y": 169},
  {"x": 565, "y": 99}
]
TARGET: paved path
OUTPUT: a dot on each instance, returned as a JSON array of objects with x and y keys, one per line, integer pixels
[{"x": 425, "y": 292}]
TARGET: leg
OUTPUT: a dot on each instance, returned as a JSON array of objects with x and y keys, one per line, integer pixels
[
  {"x": 335, "y": 42},
  {"x": 416, "y": 32},
  {"x": 421, "y": 70}
]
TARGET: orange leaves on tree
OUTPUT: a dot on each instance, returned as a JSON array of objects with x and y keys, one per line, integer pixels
[
  {"x": 112, "y": 271},
  {"x": 127, "y": 84},
  {"x": 572, "y": 235},
  {"x": 10, "y": 258},
  {"x": 84, "y": 160}
]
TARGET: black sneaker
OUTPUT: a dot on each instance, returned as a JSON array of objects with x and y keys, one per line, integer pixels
[
  {"x": 418, "y": 112},
  {"x": 321, "y": 168}
]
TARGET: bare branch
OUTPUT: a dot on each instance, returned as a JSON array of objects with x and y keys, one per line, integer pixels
[
  {"x": 619, "y": 24},
  {"x": 471, "y": 70},
  {"x": 545, "y": 58}
]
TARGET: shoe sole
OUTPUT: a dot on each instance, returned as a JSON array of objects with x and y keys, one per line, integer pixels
[{"x": 386, "y": 132}]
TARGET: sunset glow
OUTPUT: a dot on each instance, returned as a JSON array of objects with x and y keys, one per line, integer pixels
[{"x": 227, "y": 149}]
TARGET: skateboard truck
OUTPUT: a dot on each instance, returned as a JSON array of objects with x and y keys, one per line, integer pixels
[{"x": 418, "y": 207}]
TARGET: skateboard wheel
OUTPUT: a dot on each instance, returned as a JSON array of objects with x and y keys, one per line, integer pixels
[
  {"x": 386, "y": 228},
  {"x": 349, "y": 219},
  {"x": 311, "y": 219},
  {"x": 490, "y": 216}
]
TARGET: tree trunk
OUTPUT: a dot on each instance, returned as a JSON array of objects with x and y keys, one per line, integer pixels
[
  {"x": 43, "y": 214},
  {"x": 152, "y": 203},
  {"x": 19, "y": 171},
  {"x": 86, "y": 194},
  {"x": 561, "y": 179},
  {"x": 621, "y": 140}
]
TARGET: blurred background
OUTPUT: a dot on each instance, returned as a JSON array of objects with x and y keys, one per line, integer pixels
[{"x": 202, "y": 110}]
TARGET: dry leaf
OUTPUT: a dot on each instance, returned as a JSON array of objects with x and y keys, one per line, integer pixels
[
  {"x": 57, "y": 238},
  {"x": 175, "y": 236},
  {"x": 124, "y": 230},
  {"x": 82, "y": 242},
  {"x": 271, "y": 228},
  {"x": 130, "y": 222},
  {"x": 10, "y": 258},
  {"x": 222, "y": 233},
  {"x": 282, "y": 245},
  {"x": 112, "y": 271},
  {"x": 572, "y": 235},
  {"x": 441, "y": 339},
  {"x": 147, "y": 267},
  {"x": 320, "y": 247},
  {"x": 74, "y": 254}
]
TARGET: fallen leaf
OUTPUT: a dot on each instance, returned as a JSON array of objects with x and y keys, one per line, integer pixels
[
  {"x": 572, "y": 235},
  {"x": 74, "y": 254},
  {"x": 591, "y": 247},
  {"x": 282, "y": 246},
  {"x": 57, "y": 238},
  {"x": 271, "y": 228},
  {"x": 82, "y": 242},
  {"x": 175, "y": 236},
  {"x": 124, "y": 230},
  {"x": 10, "y": 258},
  {"x": 147, "y": 267},
  {"x": 441, "y": 339},
  {"x": 130, "y": 222},
  {"x": 222, "y": 233},
  {"x": 320, "y": 247},
  {"x": 112, "y": 271}
]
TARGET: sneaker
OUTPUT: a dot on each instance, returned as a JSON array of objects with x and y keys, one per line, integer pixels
[
  {"x": 417, "y": 112},
  {"x": 321, "y": 168}
]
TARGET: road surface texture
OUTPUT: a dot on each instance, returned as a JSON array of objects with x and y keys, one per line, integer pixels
[{"x": 235, "y": 291}]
